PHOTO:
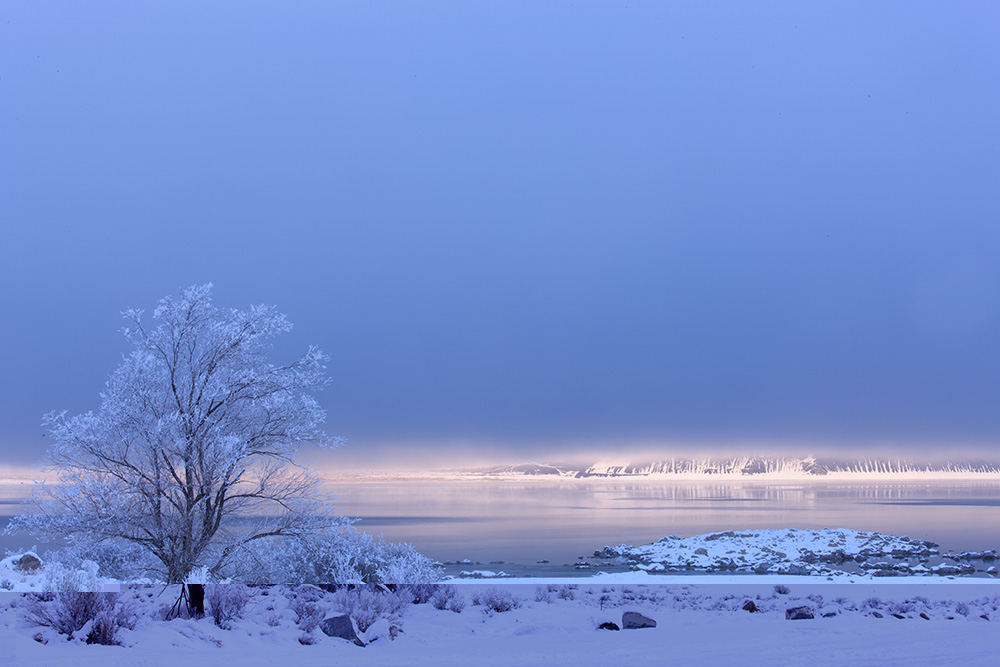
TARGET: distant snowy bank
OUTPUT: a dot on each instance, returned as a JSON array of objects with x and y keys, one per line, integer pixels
[{"x": 753, "y": 467}]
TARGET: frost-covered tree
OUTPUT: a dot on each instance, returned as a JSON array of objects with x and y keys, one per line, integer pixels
[{"x": 191, "y": 454}]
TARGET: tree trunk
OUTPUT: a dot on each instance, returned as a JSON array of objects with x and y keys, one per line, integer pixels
[{"x": 196, "y": 599}]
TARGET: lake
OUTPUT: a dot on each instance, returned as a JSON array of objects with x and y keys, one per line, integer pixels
[
  {"x": 527, "y": 520},
  {"x": 523, "y": 521}
]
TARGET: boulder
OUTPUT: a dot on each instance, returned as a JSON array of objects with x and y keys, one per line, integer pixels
[
  {"x": 342, "y": 627},
  {"x": 750, "y": 607},
  {"x": 28, "y": 563},
  {"x": 798, "y": 613},
  {"x": 632, "y": 620}
]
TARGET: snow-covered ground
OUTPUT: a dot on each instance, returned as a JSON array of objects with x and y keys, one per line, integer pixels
[
  {"x": 702, "y": 624},
  {"x": 701, "y": 618}
]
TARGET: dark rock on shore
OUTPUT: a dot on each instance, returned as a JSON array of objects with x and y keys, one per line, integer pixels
[
  {"x": 633, "y": 620},
  {"x": 341, "y": 627},
  {"x": 799, "y": 613}
]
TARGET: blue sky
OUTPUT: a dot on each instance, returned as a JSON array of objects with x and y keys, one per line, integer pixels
[{"x": 520, "y": 228}]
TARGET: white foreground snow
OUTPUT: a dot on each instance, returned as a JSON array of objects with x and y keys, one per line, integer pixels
[{"x": 697, "y": 624}]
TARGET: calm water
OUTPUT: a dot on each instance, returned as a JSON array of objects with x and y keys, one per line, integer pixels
[{"x": 558, "y": 520}]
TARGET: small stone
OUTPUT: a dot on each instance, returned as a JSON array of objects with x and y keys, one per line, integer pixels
[
  {"x": 798, "y": 613},
  {"x": 925, "y": 616},
  {"x": 608, "y": 625},
  {"x": 750, "y": 607},
  {"x": 876, "y": 614}
]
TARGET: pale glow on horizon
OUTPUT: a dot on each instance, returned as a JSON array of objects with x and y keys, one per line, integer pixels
[{"x": 429, "y": 457}]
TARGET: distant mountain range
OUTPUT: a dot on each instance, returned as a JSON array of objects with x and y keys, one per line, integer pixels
[{"x": 747, "y": 466}]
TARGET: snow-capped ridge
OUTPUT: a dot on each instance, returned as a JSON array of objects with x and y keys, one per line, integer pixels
[{"x": 754, "y": 466}]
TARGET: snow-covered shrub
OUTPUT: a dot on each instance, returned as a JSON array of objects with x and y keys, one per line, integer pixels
[
  {"x": 448, "y": 597},
  {"x": 307, "y": 639},
  {"x": 496, "y": 599},
  {"x": 904, "y": 607},
  {"x": 68, "y": 613},
  {"x": 342, "y": 555},
  {"x": 116, "y": 559},
  {"x": 962, "y": 608},
  {"x": 544, "y": 594},
  {"x": 566, "y": 591},
  {"x": 306, "y": 593},
  {"x": 367, "y": 604},
  {"x": 421, "y": 593},
  {"x": 6, "y": 585},
  {"x": 104, "y": 629},
  {"x": 781, "y": 589},
  {"x": 308, "y": 615},
  {"x": 872, "y": 603},
  {"x": 563, "y": 592},
  {"x": 227, "y": 602},
  {"x": 59, "y": 577},
  {"x": 722, "y": 604},
  {"x": 166, "y": 612}
]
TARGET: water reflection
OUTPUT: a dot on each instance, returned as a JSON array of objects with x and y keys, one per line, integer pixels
[{"x": 560, "y": 520}]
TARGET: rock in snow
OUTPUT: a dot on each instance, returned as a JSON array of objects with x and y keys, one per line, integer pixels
[
  {"x": 342, "y": 627},
  {"x": 28, "y": 563},
  {"x": 798, "y": 613},
  {"x": 633, "y": 620}
]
